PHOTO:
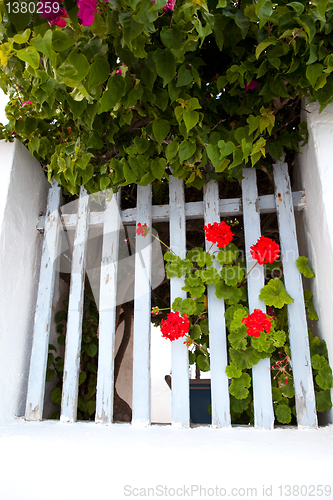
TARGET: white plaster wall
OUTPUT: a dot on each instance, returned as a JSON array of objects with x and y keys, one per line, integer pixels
[
  {"x": 23, "y": 193},
  {"x": 315, "y": 171}
]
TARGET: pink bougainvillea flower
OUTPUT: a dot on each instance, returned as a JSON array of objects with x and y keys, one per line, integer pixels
[
  {"x": 174, "y": 326},
  {"x": 53, "y": 12},
  {"x": 252, "y": 85},
  {"x": 26, "y": 102},
  {"x": 256, "y": 322},
  {"x": 265, "y": 251},
  {"x": 219, "y": 233},
  {"x": 142, "y": 230},
  {"x": 59, "y": 21},
  {"x": 87, "y": 9},
  {"x": 169, "y": 5},
  {"x": 118, "y": 71}
]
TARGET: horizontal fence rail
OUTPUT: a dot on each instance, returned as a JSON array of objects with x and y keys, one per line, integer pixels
[{"x": 176, "y": 213}]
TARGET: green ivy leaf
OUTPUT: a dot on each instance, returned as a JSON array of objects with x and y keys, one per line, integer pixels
[
  {"x": 304, "y": 268},
  {"x": 186, "y": 150},
  {"x": 275, "y": 294},
  {"x": 190, "y": 118},
  {"x": 91, "y": 349},
  {"x": 165, "y": 65},
  {"x": 29, "y": 55},
  {"x": 82, "y": 377},
  {"x": 161, "y": 128},
  {"x": 239, "y": 386},
  {"x": 115, "y": 90},
  {"x": 283, "y": 413},
  {"x": 99, "y": 72}
]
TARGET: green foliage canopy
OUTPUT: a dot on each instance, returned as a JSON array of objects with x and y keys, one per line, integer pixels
[{"x": 144, "y": 92}]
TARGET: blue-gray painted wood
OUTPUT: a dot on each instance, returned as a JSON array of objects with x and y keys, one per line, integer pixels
[
  {"x": 179, "y": 353},
  {"x": 75, "y": 313},
  {"x": 216, "y": 321},
  {"x": 298, "y": 331},
  {"x": 193, "y": 210},
  {"x": 40, "y": 346},
  {"x": 261, "y": 374},
  {"x": 107, "y": 310},
  {"x": 142, "y": 312}
]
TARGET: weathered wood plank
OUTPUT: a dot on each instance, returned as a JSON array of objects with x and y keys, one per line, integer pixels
[
  {"x": 107, "y": 311},
  {"x": 180, "y": 365},
  {"x": 216, "y": 322},
  {"x": 193, "y": 210},
  {"x": 298, "y": 331},
  {"x": 40, "y": 345},
  {"x": 261, "y": 375},
  {"x": 142, "y": 312},
  {"x": 75, "y": 313}
]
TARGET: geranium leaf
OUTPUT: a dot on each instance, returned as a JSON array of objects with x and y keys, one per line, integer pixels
[
  {"x": 323, "y": 400},
  {"x": 232, "y": 275},
  {"x": 324, "y": 378},
  {"x": 203, "y": 362},
  {"x": 233, "y": 371},
  {"x": 231, "y": 294},
  {"x": 244, "y": 359},
  {"x": 188, "y": 307},
  {"x": 304, "y": 268},
  {"x": 318, "y": 361},
  {"x": 238, "y": 338},
  {"x": 239, "y": 386},
  {"x": 261, "y": 343},
  {"x": 275, "y": 294},
  {"x": 283, "y": 413},
  {"x": 279, "y": 338},
  {"x": 239, "y": 405},
  {"x": 195, "y": 332},
  {"x": 227, "y": 254}
]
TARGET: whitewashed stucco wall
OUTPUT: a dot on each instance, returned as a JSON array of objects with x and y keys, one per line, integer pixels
[
  {"x": 23, "y": 193},
  {"x": 315, "y": 172}
]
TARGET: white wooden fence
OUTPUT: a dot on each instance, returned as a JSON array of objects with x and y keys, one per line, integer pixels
[{"x": 176, "y": 212}]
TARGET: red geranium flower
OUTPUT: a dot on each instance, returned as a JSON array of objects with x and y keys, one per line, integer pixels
[
  {"x": 256, "y": 322},
  {"x": 142, "y": 230},
  {"x": 174, "y": 326},
  {"x": 265, "y": 251},
  {"x": 219, "y": 233}
]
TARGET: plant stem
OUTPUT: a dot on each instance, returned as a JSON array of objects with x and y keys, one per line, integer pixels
[{"x": 162, "y": 243}]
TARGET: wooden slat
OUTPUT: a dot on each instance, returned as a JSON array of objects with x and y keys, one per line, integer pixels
[
  {"x": 193, "y": 210},
  {"x": 179, "y": 353},
  {"x": 261, "y": 375},
  {"x": 107, "y": 311},
  {"x": 298, "y": 331},
  {"x": 75, "y": 313},
  {"x": 142, "y": 313},
  {"x": 40, "y": 346},
  {"x": 216, "y": 322}
]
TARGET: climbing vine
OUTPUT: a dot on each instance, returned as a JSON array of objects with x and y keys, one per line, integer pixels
[{"x": 109, "y": 93}]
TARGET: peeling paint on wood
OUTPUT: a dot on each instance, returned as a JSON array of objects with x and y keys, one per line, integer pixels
[
  {"x": 142, "y": 312},
  {"x": 107, "y": 311},
  {"x": 75, "y": 313},
  {"x": 298, "y": 331},
  {"x": 180, "y": 367},
  {"x": 40, "y": 346},
  {"x": 261, "y": 376},
  {"x": 217, "y": 328},
  {"x": 193, "y": 210}
]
